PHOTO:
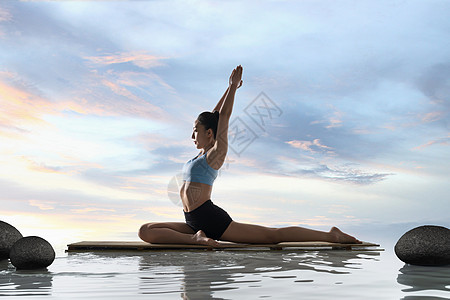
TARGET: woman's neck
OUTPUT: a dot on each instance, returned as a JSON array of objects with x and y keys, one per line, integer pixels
[{"x": 206, "y": 149}]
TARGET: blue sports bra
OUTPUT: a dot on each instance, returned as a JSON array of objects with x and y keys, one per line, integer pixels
[{"x": 198, "y": 170}]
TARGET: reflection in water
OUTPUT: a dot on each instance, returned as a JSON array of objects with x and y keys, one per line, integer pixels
[
  {"x": 423, "y": 298},
  {"x": 189, "y": 274},
  {"x": 200, "y": 274},
  {"x": 420, "y": 278},
  {"x": 22, "y": 283}
]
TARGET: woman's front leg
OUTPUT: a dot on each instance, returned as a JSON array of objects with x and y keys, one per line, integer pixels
[{"x": 174, "y": 233}]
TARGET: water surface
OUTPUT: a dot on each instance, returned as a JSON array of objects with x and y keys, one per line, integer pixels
[{"x": 286, "y": 274}]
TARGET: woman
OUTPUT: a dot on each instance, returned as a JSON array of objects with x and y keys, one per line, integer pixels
[{"x": 205, "y": 222}]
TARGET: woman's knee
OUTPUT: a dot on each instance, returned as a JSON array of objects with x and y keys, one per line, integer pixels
[{"x": 145, "y": 232}]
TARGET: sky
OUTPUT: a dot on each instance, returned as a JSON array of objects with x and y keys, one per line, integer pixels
[{"x": 343, "y": 117}]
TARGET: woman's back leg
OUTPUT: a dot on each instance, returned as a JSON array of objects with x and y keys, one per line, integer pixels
[{"x": 256, "y": 234}]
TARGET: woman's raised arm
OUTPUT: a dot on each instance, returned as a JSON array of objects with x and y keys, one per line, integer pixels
[
  {"x": 234, "y": 83},
  {"x": 220, "y": 103},
  {"x": 216, "y": 157}
]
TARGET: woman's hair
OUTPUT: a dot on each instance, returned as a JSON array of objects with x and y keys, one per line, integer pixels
[{"x": 209, "y": 120}]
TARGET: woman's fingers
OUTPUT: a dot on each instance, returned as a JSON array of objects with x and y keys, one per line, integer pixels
[
  {"x": 239, "y": 69},
  {"x": 236, "y": 75}
]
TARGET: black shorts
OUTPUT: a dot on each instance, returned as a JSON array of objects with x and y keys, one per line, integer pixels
[{"x": 210, "y": 218}]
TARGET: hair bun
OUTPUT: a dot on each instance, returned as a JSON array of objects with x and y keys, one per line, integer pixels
[{"x": 216, "y": 114}]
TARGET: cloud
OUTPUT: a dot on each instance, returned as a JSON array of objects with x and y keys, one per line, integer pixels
[
  {"x": 432, "y": 116},
  {"x": 334, "y": 120},
  {"x": 316, "y": 161},
  {"x": 21, "y": 104},
  {"x": 340, "y": 174},
  {"x": 122, "y": 91},
  {"x": 41, "y": 167},
  {"x": 307, "y": 146},
  {"x": 24, "y": 105},
  {"x": 78, "y": 75},
  {"x": 443, "y": 141},
  {"x": 80, "y": 203},
  {"x": 138, "y": 58},
  {"x": 42, "y": 205}
]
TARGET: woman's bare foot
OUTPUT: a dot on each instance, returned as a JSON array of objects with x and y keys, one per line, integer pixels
[
  {"x": 201, "y": 238},
  {"x": 338, "y": 236}
]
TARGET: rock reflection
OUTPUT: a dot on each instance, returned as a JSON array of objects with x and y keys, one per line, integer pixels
[
  {"x": 204, "y": 273},
  {"x": 420, "y": 278},
  {"x": 23, "y": 283}
]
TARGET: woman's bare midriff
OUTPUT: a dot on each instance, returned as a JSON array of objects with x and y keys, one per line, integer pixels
[{"x": 194, "y": 194}]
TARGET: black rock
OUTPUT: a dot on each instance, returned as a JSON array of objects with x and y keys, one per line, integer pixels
[
  {"x": 8, "y": 236},
  {"x": 32, "y": 252},
  {"x": 425, "y": 246}
]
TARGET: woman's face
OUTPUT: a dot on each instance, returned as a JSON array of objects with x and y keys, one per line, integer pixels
[{"x": 201, "y": 136}]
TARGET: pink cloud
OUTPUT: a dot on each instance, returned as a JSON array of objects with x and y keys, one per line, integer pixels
[
  {"x": 23, "y": 106},
  {"x": 42, "y": 205},
  {"x": 20, "y": 105},
  {"x": 334, "y": 120},
  {"x": 432, "y": 116},
  {"x": 139, "y": 59},
  {"x": 308, "y": 145},
  {"x": 440, "y": 141}
]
